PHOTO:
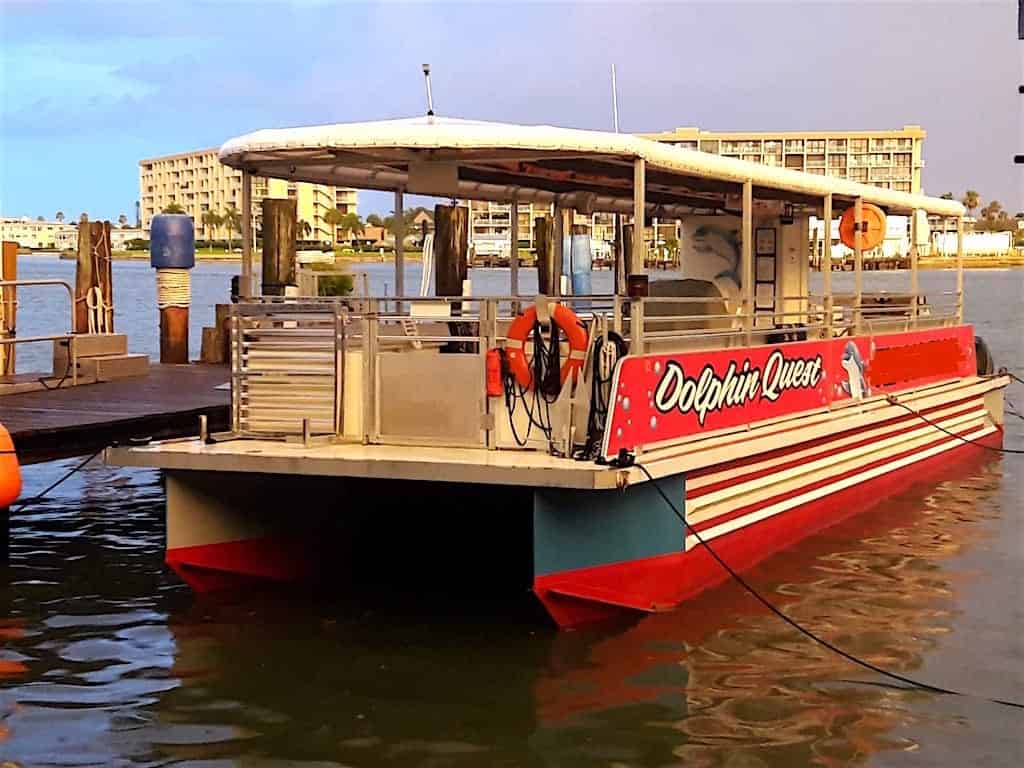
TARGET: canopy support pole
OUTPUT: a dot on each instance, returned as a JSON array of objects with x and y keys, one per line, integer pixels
[
  {"x": 826, "y": 264},
  {"x": 858, "y": 262},
  {"x": 959, "y": 269},
  {"x": 914, "y": 283},
  {"x": 513, "y": 246},
  {"x": 399, "y": 246},
  {"x": 638, "y": 257},
  {"x": 747, "y": 261},
  {"x": 245, "y": 289},
  {"x": 556, "y": 250}
]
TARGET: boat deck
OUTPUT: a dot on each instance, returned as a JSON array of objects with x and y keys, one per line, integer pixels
[
  {"x": 386, "y": 462},
  {"x": 537, "y": 468}
]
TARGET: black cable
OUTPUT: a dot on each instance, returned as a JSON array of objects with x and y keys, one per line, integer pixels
[
  {"x": 63, "y": 378},
  {"x": 893, "y": 401},
  {"x": 600, "y": 393},
  {"x": 1015, "y": 377},
  {"x": 41, "y": 496},
  {"x": 799, "y": 627}
]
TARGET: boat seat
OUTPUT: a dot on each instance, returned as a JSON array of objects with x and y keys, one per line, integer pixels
[{"x": 703, "y": 315}]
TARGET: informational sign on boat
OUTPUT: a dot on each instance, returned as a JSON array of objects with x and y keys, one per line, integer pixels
[{"x": 659, "y": 398}]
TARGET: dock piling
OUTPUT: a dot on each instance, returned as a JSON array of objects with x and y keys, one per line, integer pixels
[
  {"x": 279, "y": 254},
  {"x": 172, "y": 253}
]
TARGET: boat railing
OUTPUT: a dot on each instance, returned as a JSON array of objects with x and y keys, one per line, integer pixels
[
  {"x": 9, "y": 337},
  {"x": 329, "y": 367}
]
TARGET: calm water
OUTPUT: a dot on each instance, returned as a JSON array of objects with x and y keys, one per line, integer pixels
[{"x": 107, "y": 659}]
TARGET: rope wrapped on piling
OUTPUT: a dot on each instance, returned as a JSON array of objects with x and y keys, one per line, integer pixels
[{"x": 173, "y": 288}]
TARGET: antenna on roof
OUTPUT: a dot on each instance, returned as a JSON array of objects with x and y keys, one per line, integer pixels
[
  {"x": 615, "y": 101},
  {"x": 430, "y": 95}
]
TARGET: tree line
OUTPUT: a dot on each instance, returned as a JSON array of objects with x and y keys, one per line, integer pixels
[
  {"x": 992, "y": 217},
  {"x": 351, "y": 224}
]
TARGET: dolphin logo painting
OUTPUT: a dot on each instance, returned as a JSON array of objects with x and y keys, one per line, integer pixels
[
  {"x": 710, "y": 251},
  {"x": 720, "y": 252},
  {"x": 856, "y": 385}
]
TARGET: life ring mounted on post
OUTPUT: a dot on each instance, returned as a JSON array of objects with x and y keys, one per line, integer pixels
[{"x": 522, "y": 327}]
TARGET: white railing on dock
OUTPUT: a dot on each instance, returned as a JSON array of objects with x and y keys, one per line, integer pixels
[{"x": 9, "y": 337}]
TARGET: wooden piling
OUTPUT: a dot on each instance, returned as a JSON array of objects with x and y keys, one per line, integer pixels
[
  {"x": 279, "y": 256},
  {"x": 84, "y": 277},
  {"x": 102, "y": 275},
  {"x": 174, "y": 335},
  {"x": 9, "y": 310},
  {"x": 627, "y": 250},
  {"x": 451, "y": 247},
  {"x": 545, "y": 256}
]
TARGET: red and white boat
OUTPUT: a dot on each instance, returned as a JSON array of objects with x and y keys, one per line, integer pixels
[{"x": 470, "y": 434}]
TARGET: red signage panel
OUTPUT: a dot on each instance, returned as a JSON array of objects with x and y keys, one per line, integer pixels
[{"x": 662, "y": 397}]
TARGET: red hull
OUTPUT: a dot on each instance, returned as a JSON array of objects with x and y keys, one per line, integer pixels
[
  {"x": 660, "y": 583},
  {"x": 231, "y": 564}
]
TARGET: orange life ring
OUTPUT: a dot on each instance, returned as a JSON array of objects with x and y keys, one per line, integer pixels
[
  {"x": 521, "y": 329},
  {"x": 872, "y": 227},
  {"x": 10, "y": 472}
]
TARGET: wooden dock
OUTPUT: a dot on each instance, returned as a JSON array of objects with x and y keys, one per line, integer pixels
[{"x": 75, "y": 421}]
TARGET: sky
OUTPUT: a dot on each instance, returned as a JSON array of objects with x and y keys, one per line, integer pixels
[{"x": 89, "y": 89}]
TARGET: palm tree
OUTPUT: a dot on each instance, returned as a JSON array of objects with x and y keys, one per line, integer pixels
[
  {"x": 232, "y": 219},
  {"x": 60, "y": 216},
  {"x": 333, "y": 219},
  {"x": 374, "y": 220},
  {"x": 122, "y": 220},
  {"x": 352, "y": 224},
  {"x": 971, "y": 200},
  {"x": 992, "y": 210},
  {"x": 302, "y": 229},
  {"x": 173, "y": 208},
  {"x": 211, "y": 220}
]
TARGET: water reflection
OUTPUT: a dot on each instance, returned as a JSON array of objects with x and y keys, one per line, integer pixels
[{"x": 107, "y": 659}]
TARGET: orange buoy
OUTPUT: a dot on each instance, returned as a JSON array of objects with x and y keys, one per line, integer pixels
[
  {"x": 872, "y": 227},
  {"x": 521, "y": 328},
  {"x": 10, "y": 471}
]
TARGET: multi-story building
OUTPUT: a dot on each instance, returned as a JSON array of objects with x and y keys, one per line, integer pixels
[
  {"x": 33, "y": 233},
  {"x": 889, "y": 159},
  {"x": 198, "y": 182},
  {"x": 489, "y": 225},
  {"x": 59, "y": 235}
]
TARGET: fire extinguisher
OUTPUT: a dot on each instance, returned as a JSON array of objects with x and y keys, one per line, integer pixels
[{"x": 495, "y": 383}]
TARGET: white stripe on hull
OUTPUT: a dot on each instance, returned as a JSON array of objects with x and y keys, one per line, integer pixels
[
  {"x": 724, "y": 500},
  {"x": 879, "y": 433},
  {"x": 818, "y": 493}
]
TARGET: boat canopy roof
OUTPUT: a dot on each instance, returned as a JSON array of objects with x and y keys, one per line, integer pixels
[{"x": 587, "y": 170}]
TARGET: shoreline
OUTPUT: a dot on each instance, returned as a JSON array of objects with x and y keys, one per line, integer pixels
[{"x": 924, "y": 264}]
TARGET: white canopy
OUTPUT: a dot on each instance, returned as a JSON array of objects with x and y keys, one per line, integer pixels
[{"x": 588, "y": 170}]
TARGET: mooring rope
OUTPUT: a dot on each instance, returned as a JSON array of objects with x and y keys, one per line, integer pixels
[
  {"x": 98, "y": 310},
  {"x": 173, "y": 288},
  {"x": 41, "y": 496},
  {"x": 892, "y": 400},
  {"x": 797, "y": 625}
]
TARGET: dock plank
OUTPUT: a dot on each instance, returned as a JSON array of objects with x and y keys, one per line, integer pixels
[{"x": 73, "y": 421}]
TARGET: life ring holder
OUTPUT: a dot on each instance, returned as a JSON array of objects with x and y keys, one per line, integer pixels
[{"x": 522, "y": 327}]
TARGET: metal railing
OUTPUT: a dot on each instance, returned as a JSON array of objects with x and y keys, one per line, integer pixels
[
  {"x": 9, "y": 337},
  {"x": 328, "y": 368}
]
